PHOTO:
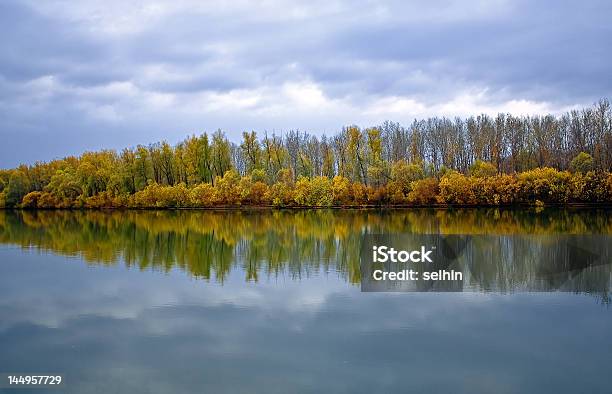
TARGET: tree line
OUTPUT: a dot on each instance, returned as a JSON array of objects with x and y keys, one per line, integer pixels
[{"x": 481, "y": 160}]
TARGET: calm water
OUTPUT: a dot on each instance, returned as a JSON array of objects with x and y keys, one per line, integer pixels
[{"x": 177, "y": 302}]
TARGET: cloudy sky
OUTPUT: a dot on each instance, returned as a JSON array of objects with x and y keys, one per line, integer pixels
[{"x": 88, "y": 75}]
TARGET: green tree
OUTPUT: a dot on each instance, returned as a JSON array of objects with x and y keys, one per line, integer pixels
[
  {"x": 582, "y": 163},
  {"x": 18, "y": 186},
  {"x": 482, "y": 169},
  {"x": 251, "y": 151},
  {"x": 221, "y": 154}
]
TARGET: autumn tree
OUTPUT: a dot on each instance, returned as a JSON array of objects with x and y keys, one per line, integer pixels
[
  {"x": 251, "y": 151},
  {"x": 221, "y": 154}
]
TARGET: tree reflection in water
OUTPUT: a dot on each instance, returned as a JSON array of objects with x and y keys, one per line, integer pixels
[{"x": 264, "y": 243}]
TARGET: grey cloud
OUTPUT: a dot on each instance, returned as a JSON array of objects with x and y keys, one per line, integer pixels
[
  {"x": 34, "y": 45},
  {"x": 536, "y": 51},
  {"x": 552, "y": 52}
]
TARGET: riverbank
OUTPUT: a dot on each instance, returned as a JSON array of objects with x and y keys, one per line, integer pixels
[
  {"x": 536, "y": 207},
  {"x": 538, "y": 187}
]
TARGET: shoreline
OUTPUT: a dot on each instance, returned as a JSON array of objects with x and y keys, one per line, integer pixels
[{"x": 305, "y": 208}]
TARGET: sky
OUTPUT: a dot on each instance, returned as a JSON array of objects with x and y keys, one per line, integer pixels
[{"x": 90, "y": 75}]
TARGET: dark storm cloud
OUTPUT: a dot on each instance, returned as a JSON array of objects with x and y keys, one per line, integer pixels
[
  {"x": 536, "y": 51},
  {"x": 35, "y": 46},
  {"x": 77, "y": 73}
]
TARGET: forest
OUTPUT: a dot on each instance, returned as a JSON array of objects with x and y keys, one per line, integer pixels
[{"x": 480, "y": 161}]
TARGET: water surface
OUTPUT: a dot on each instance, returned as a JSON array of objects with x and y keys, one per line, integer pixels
[{"x": 261, "y": 301}]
